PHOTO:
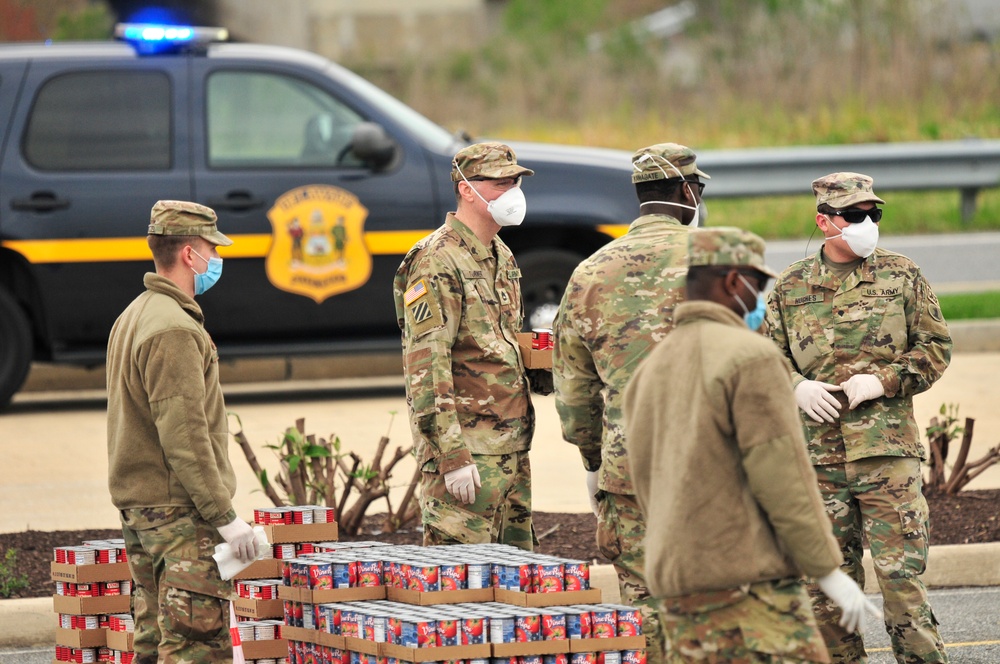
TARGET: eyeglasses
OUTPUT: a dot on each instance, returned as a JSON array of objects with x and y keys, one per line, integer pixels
[
  {"x": 857, "y": 215},
  {"x": 697, "y": 183}
]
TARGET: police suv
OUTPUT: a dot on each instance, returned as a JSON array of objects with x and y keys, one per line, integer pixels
[{"x": 322, "y": 180}]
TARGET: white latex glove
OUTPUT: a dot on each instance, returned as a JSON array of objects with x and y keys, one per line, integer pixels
[
  {"x": 463, "y": 482},
  {"x": 240, "y": 536},
  {"x": 815, "y": 400},
  {"x": 229, "y": 565},
  {"x": 852, "y": 601},
  {"x": 862, "y": 387},
  {"x": 592, "y": 490}
]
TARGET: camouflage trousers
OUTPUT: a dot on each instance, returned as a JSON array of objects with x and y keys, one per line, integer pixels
[
  {"x": 768, "y": 623},
  {"x": 882, "y": 496},
  {"x": 621, "y": 529},
  {"x": 179, "y": 601},
  {"x": 501, "y": 512}
]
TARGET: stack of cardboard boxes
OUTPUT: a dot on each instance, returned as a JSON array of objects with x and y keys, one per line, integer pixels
[{"x": 92, "y": 589}]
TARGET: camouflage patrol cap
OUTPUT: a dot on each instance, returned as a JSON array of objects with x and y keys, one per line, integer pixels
[
  {"x": 841, "y": 190},
  {"x": 728, "y": 247},
  {"x": 487, "y": 160},
  {"x": 185, "y": 218},
  {"x": 664, "y": 161}
]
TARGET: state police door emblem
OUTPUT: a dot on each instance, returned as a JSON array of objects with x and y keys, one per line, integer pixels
[{"x": 318, "y": 246}]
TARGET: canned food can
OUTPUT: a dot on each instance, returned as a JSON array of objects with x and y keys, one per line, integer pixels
[
  {"x": 559, "y": 658},
  {"x": 577, "y": 623},
  {"x": 424, "y": 578},
  {"x": 477, "y": 575},
  {"x": 527, "y": 627},
  {"x": 320, "y": 575},
  {"x": 453, "y": 576},
  {"x": 502, "y": 629},
  {"x": 547, "y": 577},
  {"x": 475, "y": 630},
  {"x": 529, "y": 659},
  {"x": 633, "y": 656},
  {"x": 369, "y": 573},
  {"x": 418, "y": 632},
  {"x": 576, "y": 575},
  {"x": 609, "y": 657},
  {"x": 448, "y": 632},
  {"x": 628, "y": 621},
  {"x": 553, "y": 625},
  {"x": 603, "y": 622}
]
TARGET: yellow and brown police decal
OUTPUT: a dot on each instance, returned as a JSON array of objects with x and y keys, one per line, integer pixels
[{"x": 318, "y": 246}]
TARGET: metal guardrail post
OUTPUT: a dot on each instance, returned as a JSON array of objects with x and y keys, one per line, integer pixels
[{"x": 968, "y": 204}]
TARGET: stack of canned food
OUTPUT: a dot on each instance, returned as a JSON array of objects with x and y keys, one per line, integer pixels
[
  {"x": 432, "y": 569},
  {"x": 294, "y": 514}
]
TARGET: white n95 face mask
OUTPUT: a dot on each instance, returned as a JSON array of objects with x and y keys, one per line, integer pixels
[
  {"x": 507, "y": 209},
  {"x": 861, "y": 238}
]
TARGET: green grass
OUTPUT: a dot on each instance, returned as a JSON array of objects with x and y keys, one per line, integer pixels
[{"x": 964, "y": 306}]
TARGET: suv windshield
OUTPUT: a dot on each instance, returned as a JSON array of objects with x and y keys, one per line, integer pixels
[{"x": 433, "y": 136}]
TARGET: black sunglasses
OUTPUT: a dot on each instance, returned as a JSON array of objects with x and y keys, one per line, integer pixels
[
  {"x": 857, "y": 215},
  {"x": 697, "y": 183}
]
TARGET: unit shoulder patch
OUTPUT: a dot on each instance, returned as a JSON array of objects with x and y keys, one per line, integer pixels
[{"x": 422, "y": 310}]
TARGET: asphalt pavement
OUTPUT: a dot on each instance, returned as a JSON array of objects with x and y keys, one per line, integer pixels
[{"x": 969, "y": 623}]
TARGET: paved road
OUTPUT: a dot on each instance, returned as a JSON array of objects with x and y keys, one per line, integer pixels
[
  {"x": 970, "y": 627},
  {"x": 952, "y": 263}
]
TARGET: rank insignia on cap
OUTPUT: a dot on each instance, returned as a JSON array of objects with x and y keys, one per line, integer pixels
[{"x": 414, "y": 293}]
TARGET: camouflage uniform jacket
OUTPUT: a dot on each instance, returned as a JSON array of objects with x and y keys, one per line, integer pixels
[
  {"x": 458, "y": 304},
  {"x": 618, "y": 304},
  {"x": 883, "y": 319},
  {"x": 168, "y": 438}
]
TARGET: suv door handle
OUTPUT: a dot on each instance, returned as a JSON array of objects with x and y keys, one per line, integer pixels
[
  {"x": 40, "y": 201},
  {"x": 237, "y": 201}
]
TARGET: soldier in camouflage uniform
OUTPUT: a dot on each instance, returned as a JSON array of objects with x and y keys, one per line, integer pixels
[
  {"x": 862, "y": 333},
  {"x": 458, "y": 304},
  {"x": 168, "y": 460},
  {"x": 617, "y": 305},
  {"x": 719, "y": 466}
]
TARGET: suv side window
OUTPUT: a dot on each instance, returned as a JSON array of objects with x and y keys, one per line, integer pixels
[
  {"x": 101, "y": 120},
  {"x": 260, "y": 119}
]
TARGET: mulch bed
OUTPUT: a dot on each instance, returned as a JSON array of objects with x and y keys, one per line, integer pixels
[{"x": 969, "y": 517}]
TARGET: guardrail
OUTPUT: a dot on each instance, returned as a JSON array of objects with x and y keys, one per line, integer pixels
[{"x": 967, "y": 165}]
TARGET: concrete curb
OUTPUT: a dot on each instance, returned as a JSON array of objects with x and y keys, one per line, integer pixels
[{"x": 31, "y": 622}]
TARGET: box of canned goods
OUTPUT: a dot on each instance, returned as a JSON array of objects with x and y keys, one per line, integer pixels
[
  {"x": 90, "y": 605},
  {"x": 310, "y": 596},
  {"x": 547, "y": 599},
  {"x": 257, "y": 608},
  {"x": 427, "y": 598},
  {"x": 120, "y": 640},
  {"x": 71, "y": 573},
  {"x": 435, "y": 654},
  {"x": 615, "y": 643},
  {"x": 300, "y": 532},
  {"x": 265, "y": 649},
  {"x": 81, "y": 638}
]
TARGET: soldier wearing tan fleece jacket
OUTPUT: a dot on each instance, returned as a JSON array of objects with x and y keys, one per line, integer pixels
[
  {"x": 733, "y": 516},
  {"x": 168, "y": 460}
]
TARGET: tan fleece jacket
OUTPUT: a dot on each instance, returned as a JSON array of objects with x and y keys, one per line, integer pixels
[
  {"x": 168, "y": 438},
  {"x": 719, "y": 461}
]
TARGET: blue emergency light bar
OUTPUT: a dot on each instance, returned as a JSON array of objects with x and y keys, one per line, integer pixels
[{"x": 157, "y": 37}]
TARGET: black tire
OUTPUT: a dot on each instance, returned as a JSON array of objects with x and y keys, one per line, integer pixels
[
  {"x": 544, "y": 274},
  {"x": 16, "y": 347}
]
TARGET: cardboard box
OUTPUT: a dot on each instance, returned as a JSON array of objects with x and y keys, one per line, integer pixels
[
  {"x": 262, "y": 569},
  {"x": 90, "y": 605},
  {"x": 259, "y": 608},
  {"x": 614, "y": 643},
  {"x": 90, "y": 573},
  {"x": 300, "y": 532},
  {"x": 81, "y": 638},
  {"x": 333, "y": 595},
  {"x": 592, "y": 596},
  {"x": 533, "y": 359},
  {"x": 270, "y": 649},
  {"x": 313, "y": 636},
  {"x": 362, "y": 645},
  {"x": 121, "y": 640},
  {"x": 442, "y": 653},
  {"x": 531, "y": 648},
  {"x": 439, "y": 597}
]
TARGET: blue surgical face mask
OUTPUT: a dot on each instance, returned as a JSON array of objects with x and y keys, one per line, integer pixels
[
  {"x": 754, "y": 319},
  {"x": 208, "y": 278}
]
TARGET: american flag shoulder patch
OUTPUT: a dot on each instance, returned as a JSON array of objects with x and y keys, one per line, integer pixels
[{"x": 414, "y": 293}]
